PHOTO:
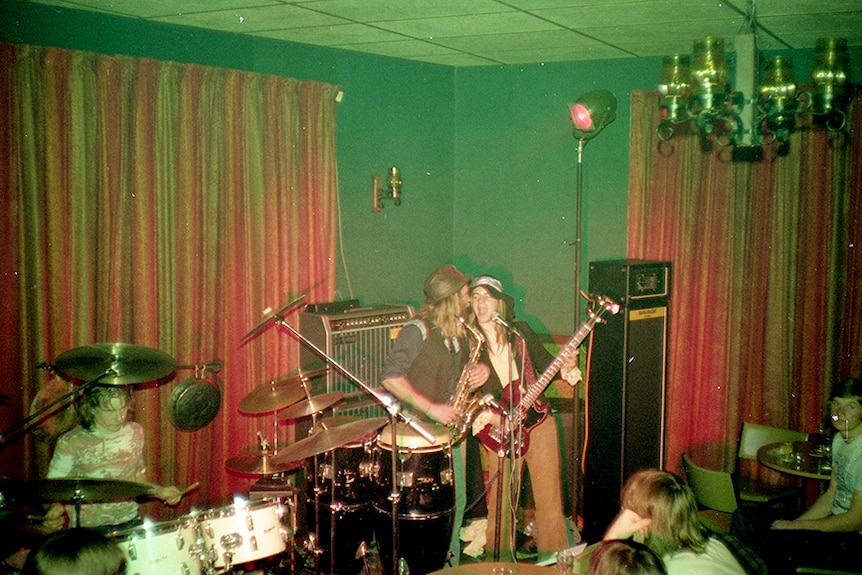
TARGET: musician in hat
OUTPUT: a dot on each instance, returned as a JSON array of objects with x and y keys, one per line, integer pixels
[
  {"x": 516, "y": 355},
  {"x": 426, "y": 362}
]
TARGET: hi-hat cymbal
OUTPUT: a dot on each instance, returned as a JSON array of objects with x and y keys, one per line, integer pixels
[
  {"x": 276, "y": 393},
  {"x": 116, "y": 363},
  {"x": 260, "y": 465},
  {"x": 77, "y": 489},
  {"x": 328, "y": 439},
  {"x": 316, "y": 404}
]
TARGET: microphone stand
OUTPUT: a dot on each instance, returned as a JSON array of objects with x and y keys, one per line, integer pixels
[{"x": 395, "y": 412}]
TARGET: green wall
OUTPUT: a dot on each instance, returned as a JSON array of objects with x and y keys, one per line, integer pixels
[{"x": 487, "y": 156}]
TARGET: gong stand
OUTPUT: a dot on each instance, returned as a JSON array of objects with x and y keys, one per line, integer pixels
[{"x": 394, "y": 410}]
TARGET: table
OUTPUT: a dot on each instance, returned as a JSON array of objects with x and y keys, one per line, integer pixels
[
  {"x": 489, "y": 568},
  {"x": 798, "y": 458}
]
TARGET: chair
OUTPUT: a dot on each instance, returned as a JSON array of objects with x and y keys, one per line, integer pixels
[
  {"x": 715, "y": 492},
  {"x": 753, "y": 437}
]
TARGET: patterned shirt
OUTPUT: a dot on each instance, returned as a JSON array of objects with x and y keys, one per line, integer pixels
[{"x": 96, "y": 455}]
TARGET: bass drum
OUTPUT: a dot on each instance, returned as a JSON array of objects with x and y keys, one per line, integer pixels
[
  {"x": 426, "y": 482},
  {"x": 161, "y": 548}
]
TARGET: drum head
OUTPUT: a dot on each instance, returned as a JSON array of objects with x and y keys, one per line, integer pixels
[
  {"x": 193, "y": 404},
  {"x": 60, "y": 418}
]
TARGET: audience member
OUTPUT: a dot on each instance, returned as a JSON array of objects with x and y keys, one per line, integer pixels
[
  {"x": 625, "y": 557},
  {"x": 660, "y": 510},
  {"x": 829, "y": 534},
  {"x": 77, "y": 551}
]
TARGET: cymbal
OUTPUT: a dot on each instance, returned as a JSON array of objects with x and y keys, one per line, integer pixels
[
  {"x": 78, "y": 489},
  {"x": 311, "y": 406},
  {"x": 116, "y": 363},
  {"x": 271, "y": 316},
  {"x": 334, "y": 421},
  {"x": 260, "y": 465},
  {"x": 276, "y": 393},
  {"x": 328, "y": 439}
]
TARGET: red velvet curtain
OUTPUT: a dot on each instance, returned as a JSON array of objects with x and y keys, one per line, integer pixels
[
  {"x": 766, "y": 293},
  {"x": 166, "y": 206}
]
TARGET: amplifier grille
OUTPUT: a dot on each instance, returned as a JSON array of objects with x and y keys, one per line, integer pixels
[{"x": 359, "y": 339}]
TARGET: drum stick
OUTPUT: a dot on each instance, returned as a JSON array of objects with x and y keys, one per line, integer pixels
[{"x": 190, "y": 488}]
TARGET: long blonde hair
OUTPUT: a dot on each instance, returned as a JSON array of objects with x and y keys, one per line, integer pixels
[
  {"x": 444, "y": 314},
  {"x": 665, "y": 499}
]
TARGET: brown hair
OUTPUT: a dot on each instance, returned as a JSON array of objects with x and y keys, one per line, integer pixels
[
  {"x": 625, "y": 557},
  {"x": 100, "y": 397},
  {"x": 76, "y": 551},
  {"x": 669, "y": 503}
]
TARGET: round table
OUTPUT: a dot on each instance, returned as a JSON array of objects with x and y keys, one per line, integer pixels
[{"x": 800, "y": 458}]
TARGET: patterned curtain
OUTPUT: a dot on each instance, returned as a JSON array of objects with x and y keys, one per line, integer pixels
[
  {"x": 765, "y": 303},
  {"x": 166, "y": 206}
]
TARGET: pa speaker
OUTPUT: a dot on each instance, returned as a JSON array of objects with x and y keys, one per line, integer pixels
[{"x": 627, "y": 386}]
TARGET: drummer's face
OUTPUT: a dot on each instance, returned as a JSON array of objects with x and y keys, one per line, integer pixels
[{"x": 111, "y": 416}]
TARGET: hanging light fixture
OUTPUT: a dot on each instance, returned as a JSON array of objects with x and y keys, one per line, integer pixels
[{"x": 697, "y": 90}]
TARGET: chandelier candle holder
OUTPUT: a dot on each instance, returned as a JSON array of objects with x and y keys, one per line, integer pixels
[{"x": 696, "y": 90}]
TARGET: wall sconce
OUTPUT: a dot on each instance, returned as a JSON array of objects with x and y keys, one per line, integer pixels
[
  {"x": 697, "y": 90},
  {"x": 392, "y": 190}
]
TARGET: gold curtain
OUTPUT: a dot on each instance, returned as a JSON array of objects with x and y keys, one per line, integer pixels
[
  {"x": 763, "y": 263},
  {"x": 162, "y": 205}
]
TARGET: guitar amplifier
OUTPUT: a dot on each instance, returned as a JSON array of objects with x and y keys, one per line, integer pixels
[{"x": 359, "y": 339}]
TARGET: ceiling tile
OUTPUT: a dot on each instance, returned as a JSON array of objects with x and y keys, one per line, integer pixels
[
  {"x": 253, "y": 19},
  {"x": 468, "y": 25}
]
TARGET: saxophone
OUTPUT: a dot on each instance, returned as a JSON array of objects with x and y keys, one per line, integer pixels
[{"x": 463, "y": 400}]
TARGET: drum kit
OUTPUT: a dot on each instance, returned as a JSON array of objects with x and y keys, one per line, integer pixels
[{"x": 369, "y": 479}]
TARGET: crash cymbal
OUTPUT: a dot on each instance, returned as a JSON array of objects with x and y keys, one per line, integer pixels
[
  {"x": 260, "y": 465},
  {"x": 316, "y": 404},
  {"x": 328, "y": 439},
  {"x": 116, "y": 363},
  {"x": 77, "y": 489},
  {"x": 276, "y": 393},
  {"x": 273, "y": 316}
]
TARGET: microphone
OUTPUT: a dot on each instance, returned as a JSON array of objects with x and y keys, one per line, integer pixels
[
  {"x": 489, "y": 401},
  {"x": 512, "y": 329}
]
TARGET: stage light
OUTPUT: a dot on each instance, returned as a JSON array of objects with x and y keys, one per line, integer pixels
[{"x": 592, "y": 112}]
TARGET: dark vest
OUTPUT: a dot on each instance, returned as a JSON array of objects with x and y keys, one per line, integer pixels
[{"x": 435, "y": 371}]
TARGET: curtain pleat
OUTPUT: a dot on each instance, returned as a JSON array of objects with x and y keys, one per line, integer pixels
[
  {"x": 762, "y": 257},
  {"x": 168, "y": 206}
]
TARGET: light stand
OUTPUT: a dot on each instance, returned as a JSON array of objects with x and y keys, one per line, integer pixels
[{"x": 590, "y": 114}]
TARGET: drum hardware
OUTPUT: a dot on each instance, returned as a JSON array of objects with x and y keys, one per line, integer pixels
[
  {"x": 386, "y": 400},
  {"x": 293, "y": 302}
]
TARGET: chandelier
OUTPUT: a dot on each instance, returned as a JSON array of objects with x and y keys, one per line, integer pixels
[{"x": 696, "y": 89}]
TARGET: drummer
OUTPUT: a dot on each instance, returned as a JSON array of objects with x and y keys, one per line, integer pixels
[{"x": 104, "y": 446}]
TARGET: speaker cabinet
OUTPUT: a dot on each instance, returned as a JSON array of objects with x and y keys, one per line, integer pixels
[{"x": 626, "y": 397}]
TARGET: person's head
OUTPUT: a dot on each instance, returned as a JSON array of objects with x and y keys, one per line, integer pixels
[
  {"x": 625, "y": 557},
  {"x": 845, "y": 406},
  {"x": 105, "y": 407},
  {"x": 667, "y": 508},
  {"x": 447, "y": 296},
  {"x": 77, "y": 551}
]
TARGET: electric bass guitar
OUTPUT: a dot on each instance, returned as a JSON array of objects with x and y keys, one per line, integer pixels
[{"x": 526, "y": 414}]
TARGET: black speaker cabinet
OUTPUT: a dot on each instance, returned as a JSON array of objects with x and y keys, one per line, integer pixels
[{"x": 626, "y": 398}]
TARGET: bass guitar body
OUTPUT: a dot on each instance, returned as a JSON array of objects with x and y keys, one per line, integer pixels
[{"x": 495, "y": 438}]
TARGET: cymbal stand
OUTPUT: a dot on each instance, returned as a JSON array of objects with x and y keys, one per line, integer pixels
[{"x": 392, "y": 407}]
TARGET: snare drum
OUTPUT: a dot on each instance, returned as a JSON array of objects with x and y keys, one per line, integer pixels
[
  {"x": 168, "y": 548},
  {"x": 243, "y": 532},
  {"x": 426, "y": 482}
]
